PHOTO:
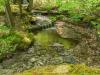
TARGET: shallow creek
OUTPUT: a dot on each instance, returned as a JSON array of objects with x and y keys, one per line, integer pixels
[
  {"x": 40, "y": 54},
  {"x": 50, "y": 37}
]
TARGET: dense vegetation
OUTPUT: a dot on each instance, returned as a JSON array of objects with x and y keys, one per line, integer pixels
[
  {"x": 1, "y": 5},
  {"x": 86, "y": 11}
]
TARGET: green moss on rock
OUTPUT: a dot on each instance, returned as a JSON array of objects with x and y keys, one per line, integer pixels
[
  {"x": 10, "y": 41},
  {"x": 26, "y": 39},
  {"x": 64, "y": 69}
]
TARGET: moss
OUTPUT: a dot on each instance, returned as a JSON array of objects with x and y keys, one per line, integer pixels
[
  {"x": 4, "y": 30},
  {"x": 64, "y": 69},
  {"x": 15, "y": 41},
  {"x": 1, "y": 5},
  {"x": 8, "y": 44},
  {"x": 53, "y": 18},
  {"x": 26, "y": 39},
  {"x": 10, "y": 41}
]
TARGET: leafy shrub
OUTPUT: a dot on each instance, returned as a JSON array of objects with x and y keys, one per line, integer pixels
[
  {"x": 76, "y": 8},
  {"x": 4, "y": 29},
  {"x": 1, "y": 5},
  {"x": 8, "y": 43}
]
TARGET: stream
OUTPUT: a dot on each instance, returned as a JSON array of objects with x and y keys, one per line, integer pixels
[
  {"x": 51, "y": 37},
  {"x": 49, "y": 48}
]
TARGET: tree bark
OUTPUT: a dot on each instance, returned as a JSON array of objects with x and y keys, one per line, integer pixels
[
  {"x": 20, "y": 7},
  {"x": 9, "y": 15}
]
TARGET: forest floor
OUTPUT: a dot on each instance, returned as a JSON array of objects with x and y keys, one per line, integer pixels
[
  {"x": 37, "y": 56},
  {"x": 49, "y": 53}
]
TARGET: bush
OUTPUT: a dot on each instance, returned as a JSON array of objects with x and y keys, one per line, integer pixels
[
  {"x": 1, "y": 5},
  {"x": 8, "y": 43},
  {"x": 13, "y": 40}
]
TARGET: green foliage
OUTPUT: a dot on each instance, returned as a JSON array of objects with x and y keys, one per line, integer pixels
[
  {"x": 76, "y": 8},
  {"x": 4, "y": 29},
  {"x": 8, "y": 43},
  {"x": 1, "y": 5},
  {"x": 10, "y": 40}
]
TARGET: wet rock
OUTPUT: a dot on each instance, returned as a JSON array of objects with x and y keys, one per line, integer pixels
[
  {"x": 33, "y": 60},
  {"x": 66, "y": 32},
  {"x": 56, "y": 60},
  {"x": 29, "y": 65},
  {"x": 64, "y": 52},
  {"x": 6, "y": 72},
  {"x": 43, "y": 20},
  {"x": 69, "y": 59},
  {"x": 40, "y": 62},
  {"x": 58, "y": 47},
  {"x": 31, "y": 50}
]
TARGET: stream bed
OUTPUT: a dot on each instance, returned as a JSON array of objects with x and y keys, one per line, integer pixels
[{"x": 49, "y": 48}]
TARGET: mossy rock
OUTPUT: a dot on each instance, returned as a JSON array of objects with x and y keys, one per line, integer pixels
[
  {"x": 65, "y": 32},
  {"x": 14, "y": 40},
  {"x": 26, "y": 39},
  {"x": 63, "y": 69}
]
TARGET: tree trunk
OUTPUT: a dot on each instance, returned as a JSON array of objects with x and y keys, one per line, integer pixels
[
  {"x": 9, "y": 15},
  {"x": 20, "y": 7}
]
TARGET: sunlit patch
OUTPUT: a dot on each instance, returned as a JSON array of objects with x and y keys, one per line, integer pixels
[{"x": 60, "y": 27}]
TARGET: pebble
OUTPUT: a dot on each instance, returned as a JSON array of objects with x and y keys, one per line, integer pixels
[
  {"x": 37, "y": 56},
  {"x": 32, "y": 60}
]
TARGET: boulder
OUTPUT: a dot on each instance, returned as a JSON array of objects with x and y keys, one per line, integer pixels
[{"x": 66, "y": 32}]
